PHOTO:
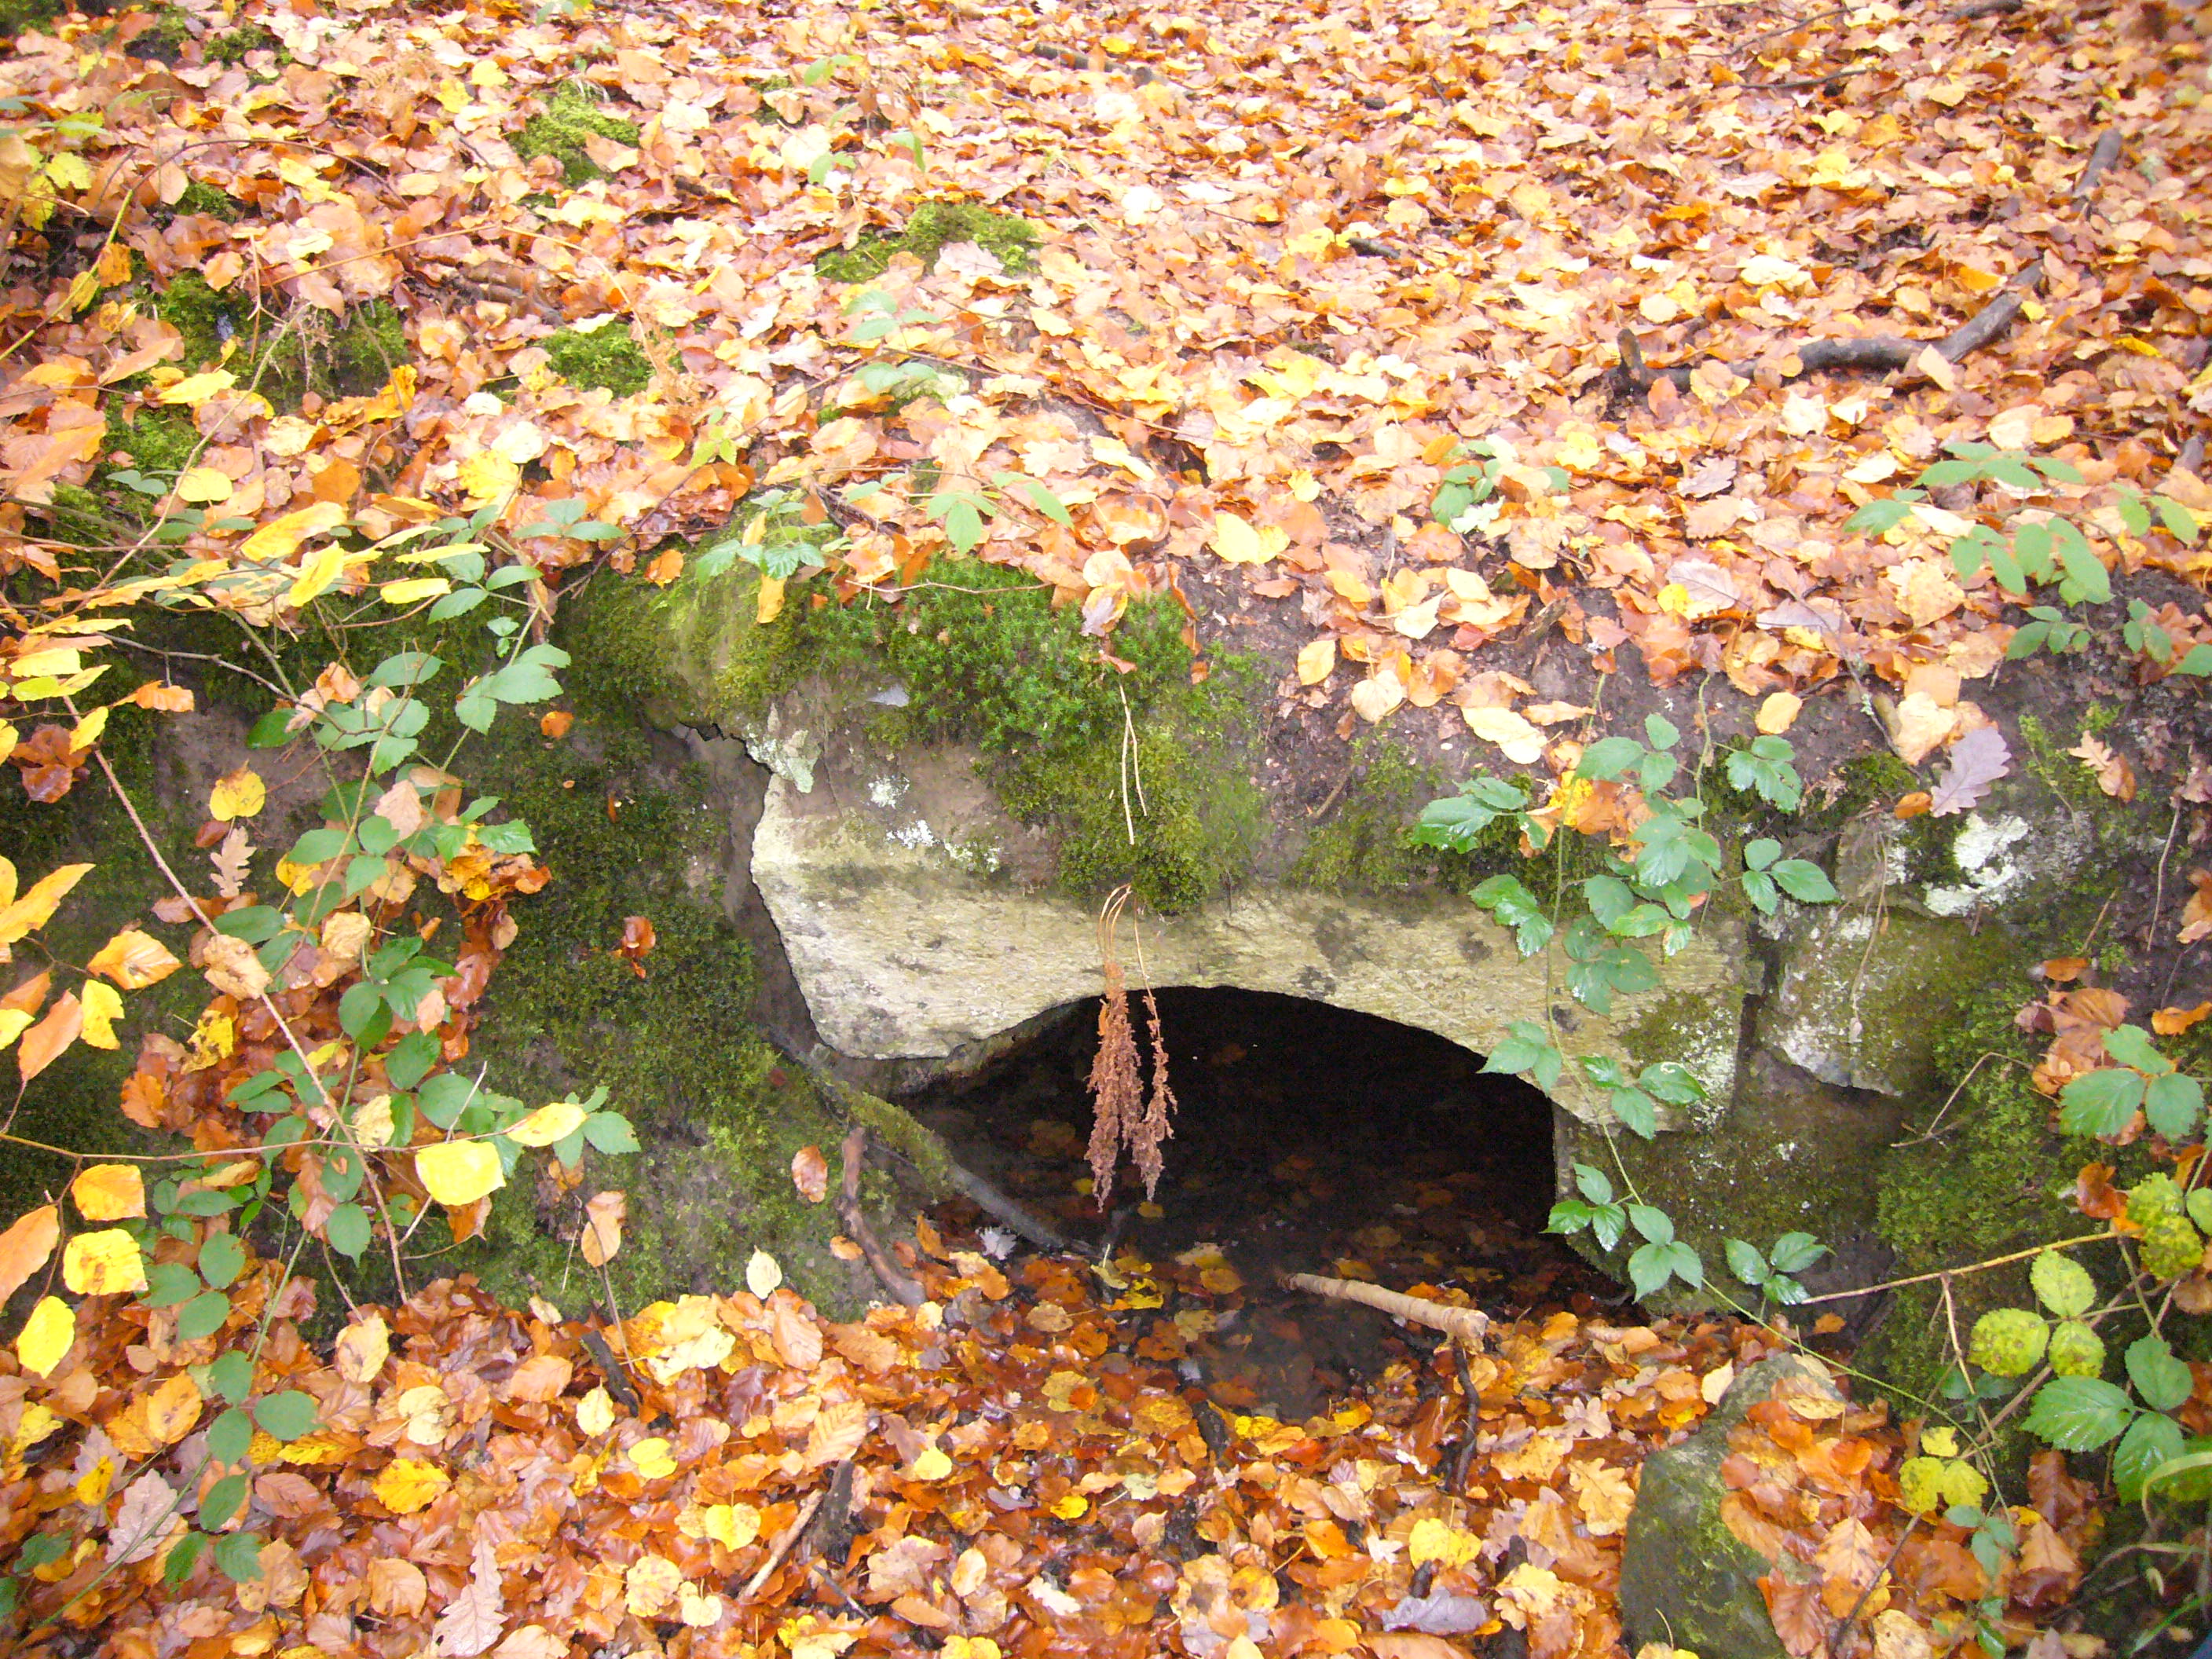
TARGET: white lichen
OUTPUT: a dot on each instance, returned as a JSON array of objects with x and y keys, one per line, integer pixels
[
  {"x": 887, "y": 790},
  {"x": 1982, "y": 850}
]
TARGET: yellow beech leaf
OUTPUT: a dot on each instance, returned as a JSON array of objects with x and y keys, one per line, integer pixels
[
  {"x": 239, "y": 794},
  {"x": 9, "y": 737},
  {"x": 548, "y": 1124},
  {"x": 103, "y": 1263},
  {"x": 732, "y": 1526},
  {"x": 413, "y": 590},
  {"x": 1073, "y": 1507},
  {"x": 1777, "y": 714},
  {"x": 762, "y": 1275},
  {"x": 133, "y": 960},
  {"x": 1315, "y": 661},
  {"x": 280, "y": 538},
  {"x": 110, "y": 1192},
  {"x": 407, "y": 1484},
  {"x": 932, "y": 1465},
  {"x": 87, "y": 731},
  {"x": 317, "y": 572},
  {"x": 1522, "y": 743},
  {"x": 649, "y": 1584},
  {"x": 362, "y": 1348},
  {"x": 697, "y": 1606},
  {"x": 489, "y": 477},
  {"x": 103, "y": 1006},
  {"x": 771, "y": 600},
  {"x": 36, "y": 907},
  {"x": 650, "y": 1458},
  {"x": 1237, "y": 541},
  {"x": 12, "y": 1023},
  {"x": 457, "y": 1172},
  {"x": 595, "y": 1415},
  {"x": 25, "y": 1247},
  {"x": 46, "y": 1336},
  {"x": 203, "y": 485},
  {"x": 196, "y": 389}
]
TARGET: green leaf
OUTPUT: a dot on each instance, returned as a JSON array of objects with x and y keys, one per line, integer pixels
[
  {"x": 1654, "y": 1223},
  {"x": 1569, "y": 1215},
  {"x": 2163, "y": 1381},
  {"x": 222, "y": 1258},
  {"x": 2180, "y": 523},
  {"x": 609, "y": 1133},
  {"x": 1046, "y": 502},
  {"x": 2131, "y": 1046},
  {"x": 2101, "y": 1102},
  {"x": 1607, "y": 1225},
  {"x": 1805, "y": 882},
  {"x": 1759, "y": 889},
  {"x": 222, "y": 1501},
  {"x": 1517, "y": 908},
  {"x": 1684, "y": 1262},
  {"x": 348, "y": 1230},
  {"x": 230, "y": 1376},
  {"x": 184, "y": 1555},
  {"x": 230, "y": 1436},
  {"x": 2079, "y": 1414},
  {"x": 1746, "y": 1263},
  {"x": 1794, "y": 1252},
  {"x": 1660, "y": 732},
  {"x": 1876, "y": 518},
  {"x": 287, "y": 1415},
  {"x": 1593, "y": 1184},
  {"x": 2174, "y": 1104},
  {"x": 1672, "y": 1082},
  {"x": 1608, "y": 757},
  {"x": 1758, "y": 854},
  {"x": 1650, "y": 1269},
  {"x": 168, "y": 1283},
  {"x": 202, "y": 1315},
  {"x": 2152, "y": 1440},
  {"x": 2062, "y": 1285},
  {"x": 238, "y": 1556},
  {"x": 1636, "y": 1111},
  {"x": 410, "y": 1060}
]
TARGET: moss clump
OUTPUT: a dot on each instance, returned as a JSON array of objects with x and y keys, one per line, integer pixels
[
  {"x": 1362, "y": 847},
  {"x": 19, "y": 16},
  {"x": 157, "y": 440},
  {"x": 571, "y": 113},
  {"x": 718, "y": 1115},
  {"x": 349, "y": 358},
  {"x": 238, "y": 44},
  {"x": 606, "y": 356},
  {"x": 165, "y": 41},
  {"x": 204, "y": 198},
  {"x": 934, "y": 225}
]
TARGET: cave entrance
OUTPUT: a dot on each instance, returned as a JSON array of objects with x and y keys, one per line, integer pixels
[{"x": 1308, "y": 1138}]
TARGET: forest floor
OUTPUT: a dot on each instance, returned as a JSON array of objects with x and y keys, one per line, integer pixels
[{"x": 1291, "y": 273}]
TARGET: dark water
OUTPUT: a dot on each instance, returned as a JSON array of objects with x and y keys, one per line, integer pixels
[{"x": 1308, "y": 1139}]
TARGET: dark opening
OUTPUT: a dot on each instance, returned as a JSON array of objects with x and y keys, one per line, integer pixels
[{"x": 1308, "y": 1139}]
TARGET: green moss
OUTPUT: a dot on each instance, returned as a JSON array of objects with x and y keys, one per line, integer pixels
[
  {"x": 718, "y": 1113},
  {"x": 203, "y": 198},
  {"x": 235, "y": 46},
  {"x": 572, "y": 113},
  {"x": 19, "y": 16},
  {"x": 351, "y": 357},
  {"x": 1361, "y": 847},
  {"x": 606, "y": 356},
  {"x": 932, "y": 226},
  {"x": 173, "y": 27},
  {"x": 157, "y": 440},
  {"x": 74, "y": 1103}
]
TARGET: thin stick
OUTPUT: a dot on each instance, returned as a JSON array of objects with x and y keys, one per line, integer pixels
[
  {"x": 1469, "y": 1324},
  {"x": 781, "y": 1547},
  {"x": 1949, "y": 1273}
]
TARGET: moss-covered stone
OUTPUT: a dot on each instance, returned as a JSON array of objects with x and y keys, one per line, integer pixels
[
  {"x": 571, "y": 113},
  {"x": 605, "y": 356},
  {"x": 1686, "y": 1579},
  {"x": 932, "y": 227},
  {"x": 1361, "y": 847},
  {"x": 625, "y": 829}
]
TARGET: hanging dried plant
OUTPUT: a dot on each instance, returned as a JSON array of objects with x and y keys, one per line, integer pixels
[
  {"x": 1122, "y": 1116},
  {"x": 1159, "y": 1105}
]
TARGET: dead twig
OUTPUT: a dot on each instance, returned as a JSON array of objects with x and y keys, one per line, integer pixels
[
  {"x": 789, "y": 1536},
  {"x": 901, "y": 1288},
  {"x": 1469, "y": 1393},
  {"x": 1470, "y": 1325}
]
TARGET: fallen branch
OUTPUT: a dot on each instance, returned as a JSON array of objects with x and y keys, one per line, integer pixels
[
  {"x": 1469, "y": 1324},
  {"x": 996, "y": 1205},
  {"x": 790, "y": 1535},
  {"x": 2102, "y": 156},
  {"x": 901, "y": 1288},
  {"x": 1871, "y": 354}
]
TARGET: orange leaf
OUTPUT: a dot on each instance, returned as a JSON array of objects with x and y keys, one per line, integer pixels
[
  {"x": 45, "y": 1042},
  {"x": 810, "y": 1173},
  {"x": 25, "y": 1247},
  {"x": 2173, "y": 1022}
]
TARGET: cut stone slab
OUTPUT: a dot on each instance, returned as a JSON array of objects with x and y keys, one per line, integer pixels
[
  {"x": 911, "y": 934},
  {"x": 1863, "y": 995},
  {"x": 1686, "y": 1579}
]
